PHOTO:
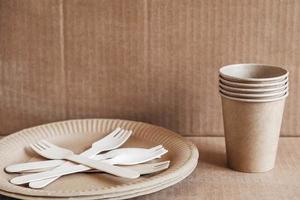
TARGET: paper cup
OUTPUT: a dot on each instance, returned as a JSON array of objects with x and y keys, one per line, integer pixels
[
  {"x": 251, "y": 132},
  {"x": 253, "y": 73},
  {"x": 254, "y": 95},
  {"x": 254, "y": 85},
  {"x": 251, "y": 90}
]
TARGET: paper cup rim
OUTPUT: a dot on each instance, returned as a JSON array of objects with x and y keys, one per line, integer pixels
[
  {"x": 282, "y": 72},
  {"x": 252, "y": 95},
  {"x": 254, "y": 100},
  {"x": 252, "y": 90},
  {"x": 253, "y": 85}
]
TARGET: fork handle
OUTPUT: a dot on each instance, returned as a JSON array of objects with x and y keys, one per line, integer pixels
[
  {"x": 105, "y": 167},
  {"x": 38, "y": 165}
]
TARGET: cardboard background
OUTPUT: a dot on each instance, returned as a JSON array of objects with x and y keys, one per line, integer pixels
[{"x": 147, "y": 60}]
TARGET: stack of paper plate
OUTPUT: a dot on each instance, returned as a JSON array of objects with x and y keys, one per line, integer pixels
[{"x": 77, "y": 135}]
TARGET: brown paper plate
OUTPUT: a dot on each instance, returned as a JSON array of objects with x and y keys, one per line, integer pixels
[
  {"x": 78, "y": 135},
  {"x": 126, "y": 195}
]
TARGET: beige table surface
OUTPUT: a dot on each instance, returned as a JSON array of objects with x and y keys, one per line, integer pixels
[{"x": 213, "y": 180}]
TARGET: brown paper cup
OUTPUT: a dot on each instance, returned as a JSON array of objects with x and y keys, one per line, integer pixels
[{"x": 252, "y": 132}]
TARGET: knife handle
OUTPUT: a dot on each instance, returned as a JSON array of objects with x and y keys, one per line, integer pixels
[
  {"x": 61, "y": 171},
  {"x": 19, "y": 180}
]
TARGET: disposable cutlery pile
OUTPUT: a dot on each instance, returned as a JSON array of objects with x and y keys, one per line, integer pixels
[{"x": 104, "y": 156}]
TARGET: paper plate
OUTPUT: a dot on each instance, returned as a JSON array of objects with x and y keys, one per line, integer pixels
[
  {"x": 78, "y": 135},
  {"x": 126, "y": 195}
]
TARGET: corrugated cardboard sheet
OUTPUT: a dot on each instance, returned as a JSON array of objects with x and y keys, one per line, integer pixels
[{"x": 147, "y": 60}]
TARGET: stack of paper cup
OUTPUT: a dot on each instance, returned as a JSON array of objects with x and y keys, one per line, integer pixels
[{"x": 253, "y": 98}]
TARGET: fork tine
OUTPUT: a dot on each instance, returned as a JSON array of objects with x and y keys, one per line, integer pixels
[
  {"x": 35, "y": 148},
  {"x": 159, "y": 148},
  {"x": 123, "y": 139},
  {"x": 157, "y": 167},
  {"x": 161, "y": 167},
  {"x": 109, "y": 136},
  {"x": 45, "y": 142},
  {"x": 163, "y": 164},
  {"x": 156, "y": 147},
  {"x": 44, "y": 146},
  {"x": 116, "y": 132},
  {"x": 120, "y": 133},
  {"x": 160, "y": 152},
  {"x": 129, "y": 133},
  {"x": 150, "y": 168},
  {"x": 126, "y": 135},
  {"x": 49, "y": 144}
]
